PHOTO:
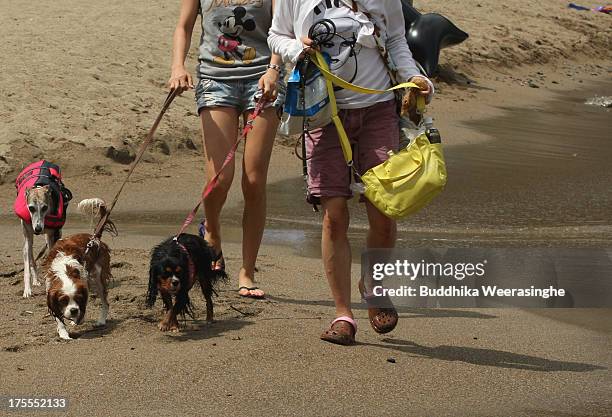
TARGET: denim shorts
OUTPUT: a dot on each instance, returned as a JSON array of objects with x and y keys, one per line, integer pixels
[{"x": 240, "y": 94}]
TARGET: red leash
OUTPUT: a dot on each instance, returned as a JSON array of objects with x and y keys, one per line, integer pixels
[{"x": 230, "y": 156}]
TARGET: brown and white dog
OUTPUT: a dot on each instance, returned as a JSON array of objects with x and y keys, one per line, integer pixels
[{"x": 70, "y": 267}]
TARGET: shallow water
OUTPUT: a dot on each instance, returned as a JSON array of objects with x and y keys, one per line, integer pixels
[{"x": 542, "y": 180}]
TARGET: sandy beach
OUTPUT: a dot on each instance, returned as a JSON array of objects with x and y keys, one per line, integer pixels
[{"x": 528, "y": 165}]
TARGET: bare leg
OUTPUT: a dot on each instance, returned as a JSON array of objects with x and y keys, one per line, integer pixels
[
  {"x": 381, "y": 234},
  {"x": 220, "y": 131},
  {"x": 383, "y": 230},
  {"x": 336, "y": 252},
  {"x": 28, "y": 260},
  {"x": 257, "y": 152}
]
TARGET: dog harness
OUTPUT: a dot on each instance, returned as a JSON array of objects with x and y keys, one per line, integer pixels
[
  {"x": 39, "y": 174},
  {"x": 190, "y": 264}
]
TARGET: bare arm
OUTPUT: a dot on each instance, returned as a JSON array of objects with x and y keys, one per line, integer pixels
[{"x": 180, "y": 78}]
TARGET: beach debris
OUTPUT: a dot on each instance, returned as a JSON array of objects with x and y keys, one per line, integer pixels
[
  {"x": 601, "y": 101},
  {"x": 123, "y": 156},
  {"x": 240, "y": 311},
  {"x": 100, "y": 170},
  {"x": 391, "y": 360},
  {"x": 11, "y": 274},
  {"x": 161, "y": 146},
  {"x": 603, "y": 9}
]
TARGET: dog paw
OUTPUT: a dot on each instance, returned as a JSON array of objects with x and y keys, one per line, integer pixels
[
  {"x": 99, "y": 324},
  {"x": 65, "y": 336},
  {"x": 36, "y": 283},
  {"x": 27, "y": 293},
  {"x": 168, "y": 326}
]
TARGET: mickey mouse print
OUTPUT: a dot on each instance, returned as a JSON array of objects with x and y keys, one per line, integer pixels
[{"x": 235, "y": 33}]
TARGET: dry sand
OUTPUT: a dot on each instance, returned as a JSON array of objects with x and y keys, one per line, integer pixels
[{"x": 77, "y": 79}]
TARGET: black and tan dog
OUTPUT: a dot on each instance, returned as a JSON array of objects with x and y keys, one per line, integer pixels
[{"x": 176, "y": 264}]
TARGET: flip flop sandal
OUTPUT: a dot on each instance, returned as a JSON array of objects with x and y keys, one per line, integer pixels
[
  {"x": 383, "y": 316},
  {"x": 249, "y": 295},
  {"x": 341, "y": 331}
]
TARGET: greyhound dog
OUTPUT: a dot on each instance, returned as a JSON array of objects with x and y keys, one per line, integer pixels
[
  {"x": 39, "y": 201},
  {"x": 41, "y": 204}
]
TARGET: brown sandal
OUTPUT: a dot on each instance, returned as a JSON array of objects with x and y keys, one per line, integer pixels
[
  {"x": 341, "y": 331},
  {"x": 383, "y": 316}
]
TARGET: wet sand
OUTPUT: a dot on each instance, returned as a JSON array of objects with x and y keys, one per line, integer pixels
[{"x": 447, "y": 362}]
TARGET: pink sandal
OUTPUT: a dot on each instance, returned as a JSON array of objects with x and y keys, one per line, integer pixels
[{"x": 341, "y": 331}]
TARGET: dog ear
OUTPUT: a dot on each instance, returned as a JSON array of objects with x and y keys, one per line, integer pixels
[
  {"x": 153, "y": 290},
  {"x": 53, "y": 303},
  {"x": 82, "y": 302}
]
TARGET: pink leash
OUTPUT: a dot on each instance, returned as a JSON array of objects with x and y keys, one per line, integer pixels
[
  {"x": 230, "y": 156},
  {"x": 190, "y": 264}
]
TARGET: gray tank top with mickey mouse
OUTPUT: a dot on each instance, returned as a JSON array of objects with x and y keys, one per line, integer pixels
[{"x": 234, "y": 43}]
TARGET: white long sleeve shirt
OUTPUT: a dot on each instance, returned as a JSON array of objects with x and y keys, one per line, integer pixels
[{"x": 354, "y": 54}]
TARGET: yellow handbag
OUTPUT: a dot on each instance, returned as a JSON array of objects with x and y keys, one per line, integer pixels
[{"x": 410, "y": 178}]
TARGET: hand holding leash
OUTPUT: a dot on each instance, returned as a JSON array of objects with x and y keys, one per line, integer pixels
[
  {"x": 180, "y": 80},
  {"x": 268, "y": 85},
  {"x": 413, "y": 102}
]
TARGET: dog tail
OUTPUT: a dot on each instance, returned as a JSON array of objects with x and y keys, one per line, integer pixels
[{"x": 95, "y": 208}]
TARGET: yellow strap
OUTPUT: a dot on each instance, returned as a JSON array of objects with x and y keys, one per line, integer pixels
[{"x": 330, "y": 80}]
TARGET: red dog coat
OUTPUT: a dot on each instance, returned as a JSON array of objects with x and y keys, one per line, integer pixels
[{"x": 43, "y": 173}]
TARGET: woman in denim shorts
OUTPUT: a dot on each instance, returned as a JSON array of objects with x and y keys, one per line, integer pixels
[{"x": 235, "y": 68}]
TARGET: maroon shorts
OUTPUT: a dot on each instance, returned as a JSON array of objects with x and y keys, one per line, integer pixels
[{"x": 373, "y": 131}]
